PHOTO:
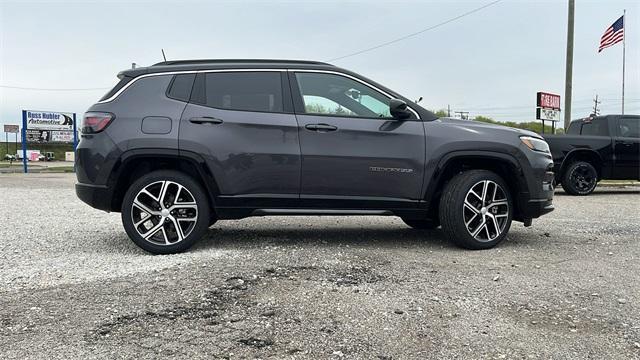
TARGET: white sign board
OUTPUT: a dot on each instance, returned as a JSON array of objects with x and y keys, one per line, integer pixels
[
  {"x": 548, "y": 114},
  {"x": 47, "y": 120}
]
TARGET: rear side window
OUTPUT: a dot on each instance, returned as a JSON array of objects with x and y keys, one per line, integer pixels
[
  {"x": 595, "y": 127},
  {"x": 180, "y": 87},
  {"x": 244, "y": 91}
]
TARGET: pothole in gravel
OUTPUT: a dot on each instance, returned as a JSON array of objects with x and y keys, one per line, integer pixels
[
  {"x": 214, "y": 310},
  {"x": 351, "y": 276}
]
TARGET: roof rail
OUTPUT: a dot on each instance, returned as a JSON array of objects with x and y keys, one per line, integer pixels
[{"x": 226, "y": 61}]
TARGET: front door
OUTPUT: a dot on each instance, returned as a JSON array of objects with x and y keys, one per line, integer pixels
[
  {"x": 354, "y": 154},
  {"x": 627, "y": 148}
]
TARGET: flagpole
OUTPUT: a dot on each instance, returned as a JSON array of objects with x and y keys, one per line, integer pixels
[{"x": 624, "y": 38}]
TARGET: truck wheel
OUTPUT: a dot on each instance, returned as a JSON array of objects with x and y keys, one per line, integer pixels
[
  {"x": 580, "y": 178},
  {"x": 422, "y": 224},
  {"x": 165, "y": 212},
  {"x": 476, "y": 209}
]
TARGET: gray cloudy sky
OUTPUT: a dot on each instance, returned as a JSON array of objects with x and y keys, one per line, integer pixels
[{"x": 489, "y": 63}]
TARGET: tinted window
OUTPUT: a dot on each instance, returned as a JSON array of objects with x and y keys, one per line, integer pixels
[
  {"x": 124, "y": 81},
  {"x": 574, "y": 128},
  {"x": 595, "y": 127},
  {"x": 338, "y": 95},
  {"x": 180, "y": 87},
  {"x": 246, "y": 91},
  {"x": 629, "y": 127}
]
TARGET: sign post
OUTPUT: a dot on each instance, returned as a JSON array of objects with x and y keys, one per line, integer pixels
[
  {"x": 24, "y": 141},
  {"x": 548, "y": 109},
  {"x": 13, "y": 129}
]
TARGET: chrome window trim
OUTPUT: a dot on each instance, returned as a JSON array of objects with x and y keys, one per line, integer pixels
[{"x": 114, "y": 96}]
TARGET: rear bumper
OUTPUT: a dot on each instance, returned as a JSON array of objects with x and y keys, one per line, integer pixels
[{"x": 96, "y": 196}]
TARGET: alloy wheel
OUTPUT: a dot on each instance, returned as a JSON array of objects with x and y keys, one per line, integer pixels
[
  {"x": 486, "y": 210},
  {"x": 164, "y": 213},
  {"x": 583, "y": 178}
]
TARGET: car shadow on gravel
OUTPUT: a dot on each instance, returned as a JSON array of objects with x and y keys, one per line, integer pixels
[
  {"x": 385, "y": 238},
  {"x": 347, "y": 236}
]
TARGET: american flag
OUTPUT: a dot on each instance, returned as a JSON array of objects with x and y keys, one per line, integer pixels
[{"x": 613, "y": 35}]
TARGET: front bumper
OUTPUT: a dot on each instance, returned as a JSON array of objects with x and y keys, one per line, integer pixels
[
  {"x": 97, "y": 196},
  {"x": 537, "y": 199},
  {"x": 535, "y": 208}
]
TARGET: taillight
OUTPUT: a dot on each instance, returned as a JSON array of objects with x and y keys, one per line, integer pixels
[{"x": 94, "y": 122}]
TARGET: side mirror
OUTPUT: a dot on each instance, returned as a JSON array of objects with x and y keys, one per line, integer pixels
[{"x": 399, "y": 109}]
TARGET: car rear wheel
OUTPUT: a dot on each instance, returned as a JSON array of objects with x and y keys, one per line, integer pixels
[
  {"x": 476, "y": 209},
  {"x": 580, "y": 178},
  {"x": 165, "y": 212},
  {"x": 422, "y": 224}
]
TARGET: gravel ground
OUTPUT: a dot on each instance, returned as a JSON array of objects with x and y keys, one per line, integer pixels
[{"x": 73, "y": 286}]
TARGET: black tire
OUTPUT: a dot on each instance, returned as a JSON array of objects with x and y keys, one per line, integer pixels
[
  {"x": 580, "y": 178},
  {"x": 422, "y": 224},
  {"x": 453, "y": 211},
  {"x": 193, "y": 232}
]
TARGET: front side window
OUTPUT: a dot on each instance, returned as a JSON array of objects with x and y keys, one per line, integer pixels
[
  {"x": 331, "y": 94},
  {"x": 595, "y": 127},
  {"x": 629, "y": 127},
  {"x": 243, "y": 91}
]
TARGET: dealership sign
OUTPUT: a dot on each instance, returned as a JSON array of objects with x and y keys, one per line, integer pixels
[
  {"x": 47, "y": 126},
  {"x": 547, "y": 106},
  {"x": 47, "y": 120}
]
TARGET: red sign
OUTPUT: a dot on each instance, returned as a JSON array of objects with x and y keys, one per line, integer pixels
[{"x": 548, "y": 101}]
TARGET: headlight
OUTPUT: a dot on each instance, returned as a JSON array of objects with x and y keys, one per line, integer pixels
[{"x": 535, "y": 144}]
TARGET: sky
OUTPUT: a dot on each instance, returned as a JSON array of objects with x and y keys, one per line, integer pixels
[{"x": 490, "y": 63}]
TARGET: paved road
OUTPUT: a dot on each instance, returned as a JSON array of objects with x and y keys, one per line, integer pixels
[{"x": 72, "y": 286}]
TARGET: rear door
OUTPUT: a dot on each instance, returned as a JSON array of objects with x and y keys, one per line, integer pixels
[
  {"x": 627, "y": 147},
  {"x": 242, "y": 123},
  {"x": 354, "y": 154}
]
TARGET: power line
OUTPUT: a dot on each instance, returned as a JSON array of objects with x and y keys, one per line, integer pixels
[
  {"x": 51, "y": 89},
  {"x": 416, "y": 33}
]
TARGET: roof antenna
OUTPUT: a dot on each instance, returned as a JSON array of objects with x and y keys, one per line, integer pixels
[{"x": 164, "y": 57}]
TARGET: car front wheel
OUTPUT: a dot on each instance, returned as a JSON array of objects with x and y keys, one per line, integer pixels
[
  {"x": 165, "y": 212},
  {"x": 476, "y": 209}
]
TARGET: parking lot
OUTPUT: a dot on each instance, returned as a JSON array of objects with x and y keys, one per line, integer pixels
[{"x": 72, "y": 285}]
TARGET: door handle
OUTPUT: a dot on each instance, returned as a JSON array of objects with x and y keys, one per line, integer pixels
[
  {"x": 321, "y": 127},
  {"x": 206, "y": 120}
]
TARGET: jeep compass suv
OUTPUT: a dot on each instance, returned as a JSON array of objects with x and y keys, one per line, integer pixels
[{"x": 179, "y": 145}]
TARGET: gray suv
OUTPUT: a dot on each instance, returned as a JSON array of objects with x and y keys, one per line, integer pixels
[{"x": 179, "y": 145}]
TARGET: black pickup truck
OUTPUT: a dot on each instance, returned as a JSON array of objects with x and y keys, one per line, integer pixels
[{"x": 596, "y": 148}]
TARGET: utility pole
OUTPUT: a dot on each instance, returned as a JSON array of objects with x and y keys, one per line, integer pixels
[
  {"x": 569, "y": 66},
  {"x": 596, "y": 112},
  {"x": 448, "y": 110}
]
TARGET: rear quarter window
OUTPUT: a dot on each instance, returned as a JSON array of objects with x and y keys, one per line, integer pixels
[
  {"x": 124, "y": 81},
  {"x": 180, "y": 87}
]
